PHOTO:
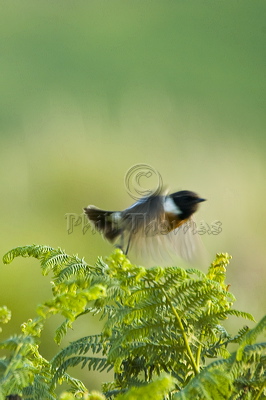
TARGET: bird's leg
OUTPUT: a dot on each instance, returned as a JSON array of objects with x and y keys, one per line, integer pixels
[
  {"x": 128, "y": 243},
  {"x": 121, "y": 244}
]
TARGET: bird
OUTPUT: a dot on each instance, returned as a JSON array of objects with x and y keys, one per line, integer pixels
[{"x": 157, "y": 228}]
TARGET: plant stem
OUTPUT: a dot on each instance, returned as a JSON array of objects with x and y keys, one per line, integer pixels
[
  {"x": 199, "y": 350},
  {"x": 198, "y": 355},
  {"x": 259, "y": 393},
  {"x": 192, "y": 359}
]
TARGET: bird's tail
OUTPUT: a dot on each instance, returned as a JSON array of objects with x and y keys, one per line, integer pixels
[{"x": 106, "y": 222}]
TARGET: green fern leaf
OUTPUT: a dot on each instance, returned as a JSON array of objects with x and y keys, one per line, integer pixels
[
  {"x": 27, "y": 251},
  {"x": 251, "y": 336}
]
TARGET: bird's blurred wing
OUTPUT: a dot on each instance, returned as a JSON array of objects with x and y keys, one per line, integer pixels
[
  {"x": 143, "y": 216},
  {"x": 167, "y": 249},
  {"x": 186, "y": 242}
]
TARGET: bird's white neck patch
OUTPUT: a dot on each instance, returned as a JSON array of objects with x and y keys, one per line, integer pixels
[
  {"x": 171, "y": 207},
  {"x": 116, "y": 216}
]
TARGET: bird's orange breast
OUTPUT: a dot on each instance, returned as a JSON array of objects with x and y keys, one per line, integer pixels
[{"x": 174, "y": 221}]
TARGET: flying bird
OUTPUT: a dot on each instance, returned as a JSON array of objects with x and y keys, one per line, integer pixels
[{"x": 156, "y": 228}]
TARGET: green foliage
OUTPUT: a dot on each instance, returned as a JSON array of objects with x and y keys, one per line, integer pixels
[
  {"x": 5, "y": 315},
  {"x": 24, "y": 371},
  {"x": 155, "y": 390},
  {"x": 162, "y": 326}
]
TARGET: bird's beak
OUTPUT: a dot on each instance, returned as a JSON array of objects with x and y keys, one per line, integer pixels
[{"x": 200, "y": 200}]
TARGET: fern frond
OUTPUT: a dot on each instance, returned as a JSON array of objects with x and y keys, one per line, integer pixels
[
  {"x": 214, "y": 317},
  {"x": 141, "y": 331},
  {"x": 51, "y": 259},
  {"x": 40, "y": 389},
  {"x": 251, "y": 336},
  {"x": 62, "y": 330},
  {"x": 16, "y": 341},
  {"x": 126, "y": 315},
  {"x": 56, "y": 260},
  {"x": 93, "y": 363},
  {"x": 156, "y": 320},
  {"x": 75, "y": 268},
  {"x": 80, "y": 346},
  {"x": 76, "y": 385},
  {"x": 247, "y": 375},
  {"x": 36, "y": 251},
  {"x": 239, "y": 336},
  {"x": 155, "y": 390},
  {"x": 208, "y": 386},
  {"x": 217, "y": 269}
]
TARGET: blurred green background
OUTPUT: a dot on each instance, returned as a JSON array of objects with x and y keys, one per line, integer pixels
[{"x": 89, "y": 89}]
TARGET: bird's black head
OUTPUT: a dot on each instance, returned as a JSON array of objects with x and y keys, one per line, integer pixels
[{"x": 187, "y": 202}]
